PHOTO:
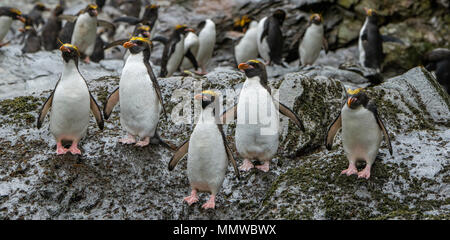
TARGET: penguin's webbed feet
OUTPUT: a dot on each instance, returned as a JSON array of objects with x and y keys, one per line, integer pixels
[
  {"x": 350, "y": 170},
  {"x": 246, "y": 166},
  {"x": 365, "y": 173},
  {"x": 264, "y": 167},
  {"x": 130, "y": 139},
  {"x": 60, "y": 150},
  {"x": 143, "y": 143},
  {"x": 211, "y": 203},
  {"x": 192, "y": 198}
]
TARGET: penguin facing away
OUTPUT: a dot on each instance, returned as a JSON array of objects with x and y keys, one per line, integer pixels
[
  {"x": 208, "y": 153},
  {"x": 370, "y": 42},
  {"x": 247, "y": 48},
  {"x": 270, "y": 37},
  {"x": 191, "y": 44},
  {"x": 32, "y": 40},
  {"x": 51, "y": 29},
  {"x": 362, "y": 132},
  {"x": 70, "y": 104},
  {"x": 140, "y": 96},
  {"x": 7, "y": 16},
  {"x": 312, "y": 41},
  {"x": 173, "y": 52},
  {"x": 257, "y": 127}
]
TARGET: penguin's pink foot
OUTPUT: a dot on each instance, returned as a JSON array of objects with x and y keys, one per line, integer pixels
[
  {"x": 211, "y": 203},
  {"x": 74, "y": 150},
  {"x": 192, "y": 198},
  {"x": 143, "y": 143},
  {"x": 365, "y": 173},
  {"x": 350, "y": 170},
  {"x": 130, "y": 139},
  {"x": 247, "y": 165},
  {"x": 264, "y": 167},
  {"x": 60, "y": 150},
  {"x": 87, "y": 59}
]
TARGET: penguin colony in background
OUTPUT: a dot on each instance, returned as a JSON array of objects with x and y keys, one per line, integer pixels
[{"x": 141, "y": 102}]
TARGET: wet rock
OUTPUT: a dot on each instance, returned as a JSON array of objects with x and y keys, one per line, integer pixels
[{"x": 348, "y": 31}]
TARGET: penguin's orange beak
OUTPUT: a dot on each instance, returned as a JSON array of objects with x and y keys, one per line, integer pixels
[
  {"x": 350, "y": 101},
  {"x": 129, "y": 44},
  {"x": 198, "y": 97},
  {"x": 22, "y": 19},
  {"x": 189, "y": 30},
  {"x": 64, "y": 49},
  {"x": 243, "y": 66}
]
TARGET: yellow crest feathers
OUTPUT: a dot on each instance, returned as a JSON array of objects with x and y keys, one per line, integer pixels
[
  {"x": 354, "y": 91},
  {"x": 71, "y": 46},
  {"x": 180, "y": 26},
  {"x": 254, "y": 61},
  {"x": 16, "y": 11},
  {"x": 145, "y": 28},
  {"x": 209, "y": 92},
  {"x": 140, "y": 39},
  {"x": 92, "y": 6}
]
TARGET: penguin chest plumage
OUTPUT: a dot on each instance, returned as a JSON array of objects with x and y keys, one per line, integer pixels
[
  {"x": 361, "y": 134},
  {"x": 247, "y": 48},
  {"x": 257, "y": 122},
  {"x": 177, "y": 56},
  {"x": 207, "y": 40},
  {"x": 311, "y": 44},
  {"x": 85, "y": 33},
  {"x": 362, "y": 52},
  {"x": 207, "y": 158},
  {"x": 69, "y": 117},
  {"x": 263, "y": 45},
  {"x": 370, "y": 45},
  {"x": 190, "y": 43},
  {"x": 139, "y": 104},
  {"x": 5, "y": 24}
]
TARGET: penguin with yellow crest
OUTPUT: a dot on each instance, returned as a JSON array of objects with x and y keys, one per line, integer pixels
[{"x": 362, "y": 132}]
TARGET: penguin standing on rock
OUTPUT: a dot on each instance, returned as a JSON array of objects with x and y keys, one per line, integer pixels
[
  {"x": 207, "y": 40},
  {"x": 139, "y": 94},
  {"x": 270, "y": 37},
  {"x": 247, "y": 48},
  {"x": 370, "y": 42},
  {"x": 51, "y": 29},
  {"x": 32, "y": 40},
  {"x": 7, "y": 15},
  {"x": 257, "y": 127},
  {"x": 362, "y": 132},
  {"x": 313, "y": 41},
  {"x": 191, "y": 44},
  {"x": 208, "y": 152},
  {"x": 71, "y": 103},
  {"x": 173, "y": 51},
  {"x": 438, "y": 60}
]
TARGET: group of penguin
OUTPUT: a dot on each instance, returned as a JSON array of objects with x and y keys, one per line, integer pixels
[{"x": 207, "y": 150}]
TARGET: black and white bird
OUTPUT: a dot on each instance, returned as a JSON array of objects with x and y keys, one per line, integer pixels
[
  {"x": 139, "y": 95},
  {"x": 257, "y": 127},
  {"x": 270, "y": 37},
  {"x": 312, "y": 41},
  {"x": 32, "y": 42},
  {"x": 70, "y": 103},
  {"x": 35, "y": 15},
  {"x": 362, "y": 132},
  {"x": 370, "y": 42},
  {"x": 438, "y": 60},
  {"x": 7, "y": 16},
  {"x": 51, "y": 29},
  {"x": 208, "y": 152},
  {"x": 246, "y": 47}
]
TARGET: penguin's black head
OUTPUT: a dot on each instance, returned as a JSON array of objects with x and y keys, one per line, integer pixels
[
  {"x": 207, "y": 98},
  {"x": 100, "y": 3},
  {"x": 27, "y": 29},
  {"x": 137, "y": 44},
  {"x": 357, "y": 98},
  {"x": 143, "y": 31},
  {"x": 58, "y": 10},
  {"x": 92, "y": 10},
  {"x": 316, "y": 18},
  {"x": 280, "y": 15},
  {"x": 154, "y": 7},
  {"x": 41, "y": 7},
  {"x": 242, "y": 24},
  {"x": 69, "y": 52},
  {"x": 15, "y": 14},
  {"x": 183, "y": 29},
  {"x": 371, "y": 14},
  {"x": 254, "y": 68}
]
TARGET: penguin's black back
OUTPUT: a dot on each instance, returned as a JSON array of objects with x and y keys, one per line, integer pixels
[
  {"x": 272, "y": 27},
  {"x": 66, "y": 34},
  {"x": 373, "y": 48},
  {"x": 32, "y": 42},
  {"x": 99, "y": 52},
  {"x": 50, "y": 33}
]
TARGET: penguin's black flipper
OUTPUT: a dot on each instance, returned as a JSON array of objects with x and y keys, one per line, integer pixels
[
  {"x": 229, "y": 153},
  {"x": 97, "y": 112},
  {"x": 156, "y": 86},
  {"x": 128, "y": 19},
  {"x": 47, "y": 105},
  {"x": 373, "y": 108},
  {"x": 106, "y": 24},
  {"x": 325, "y": 44},
  {"x": 229, "y": 114},
  {"x": 160, "y": 39},
  {"x": 179, "y": 154},
  {"x": 332, "y": 130},
  {"x": 112, "y": 100},
  {"x": 291, "y": 115},
  {"x": 159, "y": 140},
  {"x": 387, "y": 38},
  {"x": 115, "y": 43},
  {"x": 191, "y": 58}
]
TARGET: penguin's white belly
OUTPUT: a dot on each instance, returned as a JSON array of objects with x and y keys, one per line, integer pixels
[
  {"x": 362, "y": 52},
  {"x": 247, "y": 48},
  {"x": 257, "y": 128},
  {"x": 263, "y": 46},
  {"x": 361, "y": 134},
  {"x": 190, "y": 43},
  {"x": 207, "y": 158},
  {"x": 69, "y": 117},
  {"x": 176, "y": 58},
  {"x": 311, "y": 44},
  {"x": 207, "y": 40},
  {"x": 84, "y": 34},
  {"x": 139, "y": 104},
  {"x": 5, "y": 24}
]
